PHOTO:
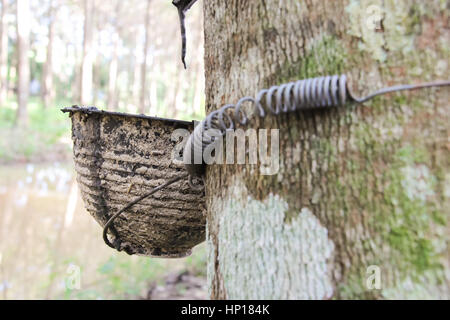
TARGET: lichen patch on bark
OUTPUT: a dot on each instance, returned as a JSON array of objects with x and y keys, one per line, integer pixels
[{"x": 288, "y": 260}]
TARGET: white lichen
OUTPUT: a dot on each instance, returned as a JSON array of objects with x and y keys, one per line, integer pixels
[
  {"x": 363, "y": 19},
  {"x": 381, "y": 26},
  {"x": 426, "y": 287},
  {"x": 398, "y": 37},
  {"x": 447, "y": 186},
  {"x": 417, "y": 182},
  {"x": 262, "y": 256}
]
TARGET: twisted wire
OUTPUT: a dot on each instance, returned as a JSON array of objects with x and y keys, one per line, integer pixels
[
  {"x": 109, "y": 223},
  {"x": 320, "y": 92}
]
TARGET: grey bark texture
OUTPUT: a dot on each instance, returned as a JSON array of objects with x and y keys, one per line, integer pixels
[{"x": 362, "y": 190}]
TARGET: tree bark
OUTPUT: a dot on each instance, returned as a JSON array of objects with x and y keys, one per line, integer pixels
[
  {"x": 143, "y": 98},
  {"x": 47, "y": 77},
  {"x": 88, "y": 53},
  {"x": 358, "y": 186},
  {"x": 23, "y": 63},
  {"x": 3, "y": 52}
]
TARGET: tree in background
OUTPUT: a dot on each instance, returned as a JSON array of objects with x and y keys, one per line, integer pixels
[
  {"x": 116, "y": 27},
  {"x": 48, "y": 92},
  {"x": 3, "y": 52},
  {"x": 116, "y": 56},
  {"x": 135, "y": 84},
  {"x": 362, "y": 191},
  {"x": 23, "y": 19},
  {"x": 88, "y": 57},
  {"x": 143, "y": 98}
]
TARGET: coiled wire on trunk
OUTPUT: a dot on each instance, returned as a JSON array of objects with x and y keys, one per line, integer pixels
[{"x": 320, "y": 92}]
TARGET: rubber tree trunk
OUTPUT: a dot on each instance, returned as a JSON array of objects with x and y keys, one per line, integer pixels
[
  {"x": 23, "y": 63},
  {"x": 359, "y": 206}
]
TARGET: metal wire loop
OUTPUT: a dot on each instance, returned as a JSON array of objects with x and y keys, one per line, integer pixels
[{"x": 320, "y": 92}]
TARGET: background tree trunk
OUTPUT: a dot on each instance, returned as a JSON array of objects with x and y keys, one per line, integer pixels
[
  {"x": 357, "y": 186},
  {"x": 96, "y": 80},
  {"x": 88, "y": 53},
  {"x": 23, "y": 64},
  {"x": 3, "y": 52},
  {"x": 47, "y": 77},
  {"x": 135, "y": 86},
  {"x": 143, "y": 98},
  {"x": 112, "y": 78},
  {"x": 153, "y": 90},
  {"x": 114, "y": 64},
  {"x": 199, "y": 75}
]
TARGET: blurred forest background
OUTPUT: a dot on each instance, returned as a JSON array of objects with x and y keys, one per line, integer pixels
[{"x": 112, "y": 54}]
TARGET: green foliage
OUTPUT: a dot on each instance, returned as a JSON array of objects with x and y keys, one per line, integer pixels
[
  {"x": 196, "y": 263},
  {"x": 42, "y": 136}
]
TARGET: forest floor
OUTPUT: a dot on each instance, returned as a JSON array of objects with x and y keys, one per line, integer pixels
[{"x": 179, "y": 286}]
